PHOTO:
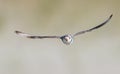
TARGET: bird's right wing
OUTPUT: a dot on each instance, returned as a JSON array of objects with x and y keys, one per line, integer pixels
[{"x": 33, "y": 36}]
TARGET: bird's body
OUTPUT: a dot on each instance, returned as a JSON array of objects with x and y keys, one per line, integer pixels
[{"x": 66, "y": 39}]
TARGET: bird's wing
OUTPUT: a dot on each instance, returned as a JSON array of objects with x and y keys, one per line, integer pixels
[
  {"x": 34, "y": 37},
  {"x": 96, "y": 27}
]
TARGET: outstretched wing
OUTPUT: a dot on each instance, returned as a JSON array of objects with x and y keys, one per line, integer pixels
[
  {"x": 96, "y": 27},
  {"x": 34, "y": 37}
]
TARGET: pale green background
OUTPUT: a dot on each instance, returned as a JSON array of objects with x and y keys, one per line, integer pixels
[{"x": 97, "y": 52}]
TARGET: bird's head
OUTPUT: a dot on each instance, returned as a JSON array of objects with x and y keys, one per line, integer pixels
[{"x": 67, "y": 39}]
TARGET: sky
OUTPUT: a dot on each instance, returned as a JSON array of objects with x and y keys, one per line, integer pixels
[{"x": 97, "y": 52}]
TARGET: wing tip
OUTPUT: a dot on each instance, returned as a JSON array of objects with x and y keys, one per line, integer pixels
[
  {"x": 108, "y": 18},
  {"x": 17, "y": 32},
  {"x": 21, "y": 33},
  {"x": 111, "y": 15}
]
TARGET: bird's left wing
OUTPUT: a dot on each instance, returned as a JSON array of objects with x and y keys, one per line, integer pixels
[{"x": 96, "y": 27}]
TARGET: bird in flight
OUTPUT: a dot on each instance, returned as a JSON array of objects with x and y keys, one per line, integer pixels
[{"x": 67, "y": 38}]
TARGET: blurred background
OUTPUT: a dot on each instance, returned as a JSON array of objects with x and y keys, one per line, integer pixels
[{"x": 97, "y": 52}]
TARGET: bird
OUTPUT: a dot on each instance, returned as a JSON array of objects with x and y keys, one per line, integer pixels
[{"x": 67, "y": 38}]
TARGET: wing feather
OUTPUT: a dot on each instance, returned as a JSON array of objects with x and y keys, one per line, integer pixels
[
  {"x": 34, "y": 37},
  {"x": 96, "y": 27}
]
